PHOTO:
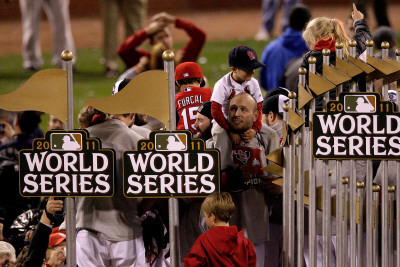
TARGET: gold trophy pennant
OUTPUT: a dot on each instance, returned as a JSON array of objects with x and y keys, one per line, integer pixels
[
  {"x": 334, "y": 75},
  {"x": 382, "y": 68},
  {"x": 348, "y": 68},
  {"x": 276, "y": 156},
  {"x": 295, "y": 120},
  {"x": 278, "y": 181},
  {"x": 319, "y": 204},
  {"x": 304, "y": 96},
  {"x": 319, "y": 85},
  {"x": 367, "y": 69},
  {"x": 45, "y": 91},
  {"x": 319, "y": 200},
  {"x": 371, "y": 72},
  {"x": 147, "y": 94},
  {"x": 306, "y": 182},
  {"x": 274, "y": 169},
  {"x": 394, "y": 76}
]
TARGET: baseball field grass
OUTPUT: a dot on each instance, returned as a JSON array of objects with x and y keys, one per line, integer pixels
[{"x": 90, "y": 82}]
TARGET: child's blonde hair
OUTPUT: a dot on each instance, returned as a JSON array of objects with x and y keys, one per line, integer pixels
[
  {"x": 326, "y": 28},
  {"x": 219, "y": 204}
]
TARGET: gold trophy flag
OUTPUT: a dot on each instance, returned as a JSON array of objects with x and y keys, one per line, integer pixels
[
  {"x": 382, "y": 68},
  {"x": 394, "y": 76},
  {"x": 334, "y": 75},
  {"x": 276, "y": 156},
  {"x": 304, "y": 96},
  {"x": 319, "y": 84},
  {"x": 295, "y": 120},
  {"x": 274, "y": 169},
  {"x": 146, "y": 94},
  {"x": 348, "y": 68},
  {"x": 361, "y": 64},
  {"x": 381, "y": 65},
  {"x": 45, "y": 91}
]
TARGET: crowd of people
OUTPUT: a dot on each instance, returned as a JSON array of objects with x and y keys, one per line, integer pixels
[{"x": 239, "y": 226}]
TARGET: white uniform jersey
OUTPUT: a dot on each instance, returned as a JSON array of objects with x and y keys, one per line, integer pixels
[{"x": 226, "y": 88}]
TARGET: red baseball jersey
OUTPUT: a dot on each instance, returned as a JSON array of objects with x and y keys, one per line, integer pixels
[{"x": 187, "y": 102}]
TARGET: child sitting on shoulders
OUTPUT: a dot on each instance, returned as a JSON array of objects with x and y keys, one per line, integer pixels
[{"x": 242, "y": 61}]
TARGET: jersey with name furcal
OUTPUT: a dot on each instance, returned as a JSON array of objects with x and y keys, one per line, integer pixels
[{"x": 187, "y": 102}]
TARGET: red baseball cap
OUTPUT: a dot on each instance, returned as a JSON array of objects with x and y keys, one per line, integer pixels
[
  {"x": 56, "y": 237},
  {"x": 188, "y": 70}
]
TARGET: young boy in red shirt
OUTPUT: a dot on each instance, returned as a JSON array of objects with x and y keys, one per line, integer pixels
[{"x": 221, "y": 245}]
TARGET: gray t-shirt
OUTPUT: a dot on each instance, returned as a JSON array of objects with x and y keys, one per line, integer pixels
[{"x": 114, "y": 218}]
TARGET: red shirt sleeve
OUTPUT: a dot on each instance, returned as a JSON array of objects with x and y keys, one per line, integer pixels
[
  {"x": 257, "y": 124},
  {"x": 252, "y": 260},
  {"x": 197, "y": 256},
  {"x": 218, "y": 116},
  {"x": 197, "y": 39},
  {"x": 129, "y": 51}
]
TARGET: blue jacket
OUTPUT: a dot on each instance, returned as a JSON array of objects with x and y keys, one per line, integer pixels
[{"x": 277, "y": 54}]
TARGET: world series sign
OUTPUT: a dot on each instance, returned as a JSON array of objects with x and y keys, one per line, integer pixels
[
  {"x": 357, "y": 126},
  {"x": 66, "y": 163},
  {"x": 171, "y": 164}
]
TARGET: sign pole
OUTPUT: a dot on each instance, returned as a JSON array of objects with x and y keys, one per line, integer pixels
[
  {"x": 339, "y": 238},
  {"x": 312, "y": 183},
  {"x": 69, "y": 201},
  {"x": 173, "y": 208},
  {"x": 326, "y": 221},
  {"x": 370, "y": 252},
  {"x": 353, "y": 193},
  {"x": 286, "y": 199},
  {"x": 398, "y": 180},
  {"x": 291, "y": 183},
  {"x": 300, "y": 184}
]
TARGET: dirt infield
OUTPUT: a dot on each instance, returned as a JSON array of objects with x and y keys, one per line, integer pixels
[{"x": 218, "y": 25}]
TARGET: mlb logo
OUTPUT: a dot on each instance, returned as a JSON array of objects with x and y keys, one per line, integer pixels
[
  {"x": 66, "y": 141},
  {"x": 360, "y": 103},
  {"x": 171, "y": 142}
]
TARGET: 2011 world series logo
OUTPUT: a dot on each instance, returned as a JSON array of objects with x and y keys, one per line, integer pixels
[
  {"x": 357, "y": 126},
  {"x": 171, "y": 164},
  {"x": 67, "y": 163}
]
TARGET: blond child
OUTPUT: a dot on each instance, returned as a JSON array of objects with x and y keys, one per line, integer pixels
[
  {"x": 323, "y": 33},
  {"x": 221, "y": 245}
]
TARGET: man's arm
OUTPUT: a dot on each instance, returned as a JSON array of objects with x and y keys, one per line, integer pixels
[
  {"x": 192, "y": 49},
  {"x": 129, "y": 51},
  {"x": 249, "y": 134},
  {"x": 40, "y": 240}
]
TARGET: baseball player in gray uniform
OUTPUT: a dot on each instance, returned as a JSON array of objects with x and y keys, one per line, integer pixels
[
  {"x": 109, "y": 228},
  {"x": 57, "y": 12}
]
